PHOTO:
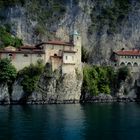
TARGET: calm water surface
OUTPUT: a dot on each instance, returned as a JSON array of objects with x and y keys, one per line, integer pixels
[{"x": 70, "y": 122}]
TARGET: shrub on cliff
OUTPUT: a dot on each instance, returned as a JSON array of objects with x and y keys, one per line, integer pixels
[
  {"x": 6, "y": 38},
  {"x": 5, "y": 3},
  {"x": 109, "y": 13},
  {"x": 30, "y": 76},
  {"x": 90, "y": 80},
  {"x": 7, "y": 71},
  {"x": 103, "y": 79},
  {"x": 97, "y": 79},
  {"x": 122, "y": 75},
  {"x": 85, "y": 55}
]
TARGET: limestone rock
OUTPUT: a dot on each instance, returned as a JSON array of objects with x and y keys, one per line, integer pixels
[
  {"x": 58, "y": 89},
  {"x": 4, "y": 94},
  {"x": 18, "y": 92}
]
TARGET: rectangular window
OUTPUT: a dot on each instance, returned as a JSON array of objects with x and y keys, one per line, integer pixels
[
  {"x": 25, "y": 55},
  {"x": 66, "y": 57}
]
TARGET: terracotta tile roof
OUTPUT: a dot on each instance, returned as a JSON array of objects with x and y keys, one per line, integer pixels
[
  {"x": 128, "y": 52},
  {"x": 57, "y": 42},
  {"x": 23, "y": 52},
  {"x": 69, "y": 51},
  {"x": 27, "y": 47}
]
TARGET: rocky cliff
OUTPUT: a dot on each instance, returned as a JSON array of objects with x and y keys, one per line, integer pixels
[
  {"x": 53, "y": 87},
  {"x": 57, "y": 88},
  {"x": 104, "y": 25}
]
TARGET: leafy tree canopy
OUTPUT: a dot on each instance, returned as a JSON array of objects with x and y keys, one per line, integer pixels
[{"x": 7, "y": 71}]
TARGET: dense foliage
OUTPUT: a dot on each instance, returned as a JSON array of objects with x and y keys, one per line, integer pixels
[
  {"x": 30, "y": 76},
  {"x": 7, "y": 71},
  {"x": 6, "y": 38},
  {"x": 85, "y": 55},
  {"x": 102, "y": 79},
  {"x": 109, "y": 13},
  {"x": 4, "y": 3},
  {"x": 45, "y": 11}
]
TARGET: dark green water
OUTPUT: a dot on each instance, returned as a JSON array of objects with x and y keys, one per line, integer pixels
[{"x": 70, "y": 122}]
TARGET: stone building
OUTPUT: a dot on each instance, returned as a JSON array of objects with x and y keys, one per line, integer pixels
[
  {"x": 60, "y": 54},
  {"x": 130, "y": 58}
]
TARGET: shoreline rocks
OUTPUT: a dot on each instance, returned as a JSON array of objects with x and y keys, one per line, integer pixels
[{"x": 103, "y": 98}]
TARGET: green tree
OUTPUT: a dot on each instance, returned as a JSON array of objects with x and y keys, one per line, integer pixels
[
  {"x": 8, "y": 39},
  {"x": 85, "y": 55},
  {"x": 7, "y": 71},
  {"x": 30, "y": 76},
  {"x": 123, "y": 73}
]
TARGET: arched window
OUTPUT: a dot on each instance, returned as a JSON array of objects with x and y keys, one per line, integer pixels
[
  {"x": 55, "y": 54},
  {"x": 129, "y": 64},
  {"x": 122, "y": 64},
  {"x": 135, "y": 64}
]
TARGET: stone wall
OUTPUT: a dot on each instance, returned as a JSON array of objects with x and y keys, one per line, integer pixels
[{"x": 23, "y": 60}]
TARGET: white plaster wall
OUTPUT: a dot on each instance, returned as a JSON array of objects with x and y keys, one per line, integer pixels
[
  {"x": 131, "y": 60},
  {"x": 68, "y": 69},
  {"x": 20, "y": 61},
  {"x": 50, "y": 50},
  {"x": 69, "y": 58}
]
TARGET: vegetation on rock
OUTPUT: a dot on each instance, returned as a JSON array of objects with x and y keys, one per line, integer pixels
[
  {"x": 8, "y": 72},
  {"x": 102, "y": 79},
  {"x": 51, "y": 12},
  {"x": 30, "y": 76},
  {"x": 85, "y": 55},
  {"x": 6, "y": 38},
  {"x": 5, "y": 3},
  {"x": 109, "y": 14}
]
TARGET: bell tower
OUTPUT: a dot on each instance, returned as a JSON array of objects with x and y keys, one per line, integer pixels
[{"x": 75, "y": 38}]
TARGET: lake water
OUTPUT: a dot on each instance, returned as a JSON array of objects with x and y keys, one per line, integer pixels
[{"x": 71, "y": 122}]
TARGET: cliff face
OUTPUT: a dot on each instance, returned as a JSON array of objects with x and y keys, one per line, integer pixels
[
  {"x": 58, "y": 88},
  {"x": 53, "y": 87},
  {"x": 4, "y": 94},
  {"x": 104, "y": 25}
]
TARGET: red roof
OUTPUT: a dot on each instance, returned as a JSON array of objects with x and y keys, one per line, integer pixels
[
  {"x": 27, "y": 47},
  {"x": 57, "y": 42},
  {"x": 24, "y": 52},
  {"x": 69, "y": 51},
  {"x": 128, "y": 52}
]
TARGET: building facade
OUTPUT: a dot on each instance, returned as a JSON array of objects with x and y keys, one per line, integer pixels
[
  {"x": 129, "y": 58},
  {"x": 64, "y": 55}
]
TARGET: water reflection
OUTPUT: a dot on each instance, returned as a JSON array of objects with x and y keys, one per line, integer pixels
[
  {"x": 70, "y": 122},
  {"x": 112, "y": 121},
  {"x": 52, "y": 122}
]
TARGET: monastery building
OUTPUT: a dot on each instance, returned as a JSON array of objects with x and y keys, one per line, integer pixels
[{"x": 60, "y": 54}]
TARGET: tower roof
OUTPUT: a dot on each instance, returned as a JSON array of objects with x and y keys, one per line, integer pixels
[{"x": 74, "y": 33}]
